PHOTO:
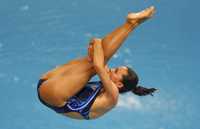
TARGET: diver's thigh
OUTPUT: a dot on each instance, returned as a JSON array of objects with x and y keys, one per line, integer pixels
[
  {"x": 76, "y": 65},
  {"x": 56, "y": 90}
]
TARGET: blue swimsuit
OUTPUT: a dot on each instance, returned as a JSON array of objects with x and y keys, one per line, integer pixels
[{"x": 81, "y": 102}]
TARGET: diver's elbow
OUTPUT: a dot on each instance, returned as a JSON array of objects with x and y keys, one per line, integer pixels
[{"x": 114, "y": 99}]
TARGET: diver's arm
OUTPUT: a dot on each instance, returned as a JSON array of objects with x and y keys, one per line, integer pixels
[
  {"x": 110, "y": 88},
  {"x": 98, "y": 62}
]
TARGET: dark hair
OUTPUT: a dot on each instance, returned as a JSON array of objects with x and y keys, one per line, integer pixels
[{"x": 130, "y": 82}]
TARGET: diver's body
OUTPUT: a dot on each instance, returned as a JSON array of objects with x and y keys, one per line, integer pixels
[{"x": 65, "y": 81}]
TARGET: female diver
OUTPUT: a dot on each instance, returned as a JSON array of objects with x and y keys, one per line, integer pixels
[{"x": 66, "y": 89}]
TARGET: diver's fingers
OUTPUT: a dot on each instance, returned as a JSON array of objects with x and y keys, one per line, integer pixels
[{"x": 90, "y": 53}]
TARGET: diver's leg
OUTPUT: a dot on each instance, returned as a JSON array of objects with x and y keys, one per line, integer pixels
[
  {"x": 58, "y": 89},
  {"x": 114, "y": 40},
  {"x": 61, "y": 69}
]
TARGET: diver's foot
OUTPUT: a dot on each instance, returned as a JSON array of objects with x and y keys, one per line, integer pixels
[{"x": 141, "y": 16}]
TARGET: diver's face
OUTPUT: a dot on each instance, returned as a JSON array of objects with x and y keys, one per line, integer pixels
[{"x": 116, "y": 75}]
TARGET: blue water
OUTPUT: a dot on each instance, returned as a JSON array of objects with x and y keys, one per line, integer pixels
[{"x": 37, "y": 35}]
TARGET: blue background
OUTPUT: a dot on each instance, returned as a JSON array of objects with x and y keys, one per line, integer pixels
[{"x": 37, "y": 35}]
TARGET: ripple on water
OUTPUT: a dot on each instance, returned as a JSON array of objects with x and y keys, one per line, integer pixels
[{"x": 24, "y": 8}]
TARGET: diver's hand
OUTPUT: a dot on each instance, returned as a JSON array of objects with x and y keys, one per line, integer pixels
[{"x": 91, "y": 51}]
